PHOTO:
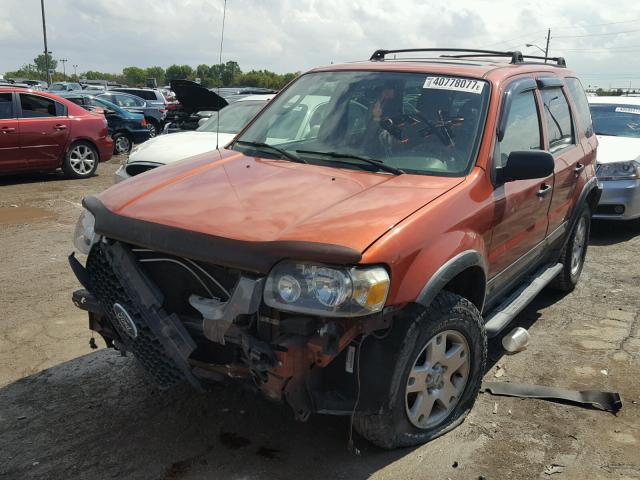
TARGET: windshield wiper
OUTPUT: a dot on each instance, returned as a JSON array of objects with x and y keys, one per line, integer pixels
[
  {"x": 266, "y": 146},
  {"x": 372, "y": 161}
]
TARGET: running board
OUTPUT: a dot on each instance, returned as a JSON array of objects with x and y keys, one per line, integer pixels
[{"x": 502, "y": 315}]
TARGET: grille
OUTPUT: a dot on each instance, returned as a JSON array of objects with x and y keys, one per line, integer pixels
[{"x": 146, "y": 347}]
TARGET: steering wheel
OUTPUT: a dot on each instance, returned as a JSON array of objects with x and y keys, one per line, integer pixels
[{"x": 425, "y": 127}]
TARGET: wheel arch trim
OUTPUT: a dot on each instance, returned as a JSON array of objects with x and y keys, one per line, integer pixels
[{"x": 447, "y": 272}]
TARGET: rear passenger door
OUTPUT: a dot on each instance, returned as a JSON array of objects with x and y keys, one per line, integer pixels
[
  {"x": 520, "y": 218},
  {"x": 44, "y": 130},
  {"x": 10, "y": 160},
  {"x": 560, "y": 141}
]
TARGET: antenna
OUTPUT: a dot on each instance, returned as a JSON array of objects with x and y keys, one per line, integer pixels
[{"x": 224, "y": 16}]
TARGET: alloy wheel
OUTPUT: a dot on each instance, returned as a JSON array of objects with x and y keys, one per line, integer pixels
[
  {"x": 123, "y": 145},
  {"x": 437, "y": 379},
  {"x": 579, "y": 240},
  {"x": 82, "y": 159},
  {"x": 152, "y": 130}
]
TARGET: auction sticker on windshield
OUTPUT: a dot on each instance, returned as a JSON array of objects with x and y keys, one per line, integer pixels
[
  {"x": 635, "y": 111},
  {"x": 454, "y": 83}
]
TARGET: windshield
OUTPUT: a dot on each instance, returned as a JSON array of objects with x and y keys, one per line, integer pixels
[
  {"x": 58, "y": 86},
  {"x": 232, "y": 118},
  {"x": 98, "y": 102},
  {"x": 616, "y": 120},
  {"x": 416, "y": 122}
]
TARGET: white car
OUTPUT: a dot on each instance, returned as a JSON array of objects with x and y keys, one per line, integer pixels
[
  {"x": 174, "y": 147},
  {"x": 616, "y": 121}
]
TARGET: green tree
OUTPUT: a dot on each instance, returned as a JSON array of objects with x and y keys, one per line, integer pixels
[
  {"x": 230, "y": 72},
  {"x": 202, "y": 72},
  {"x": 41, "y": 63},
  {"x": 134, "y": 75},
  {"x": 157, "y": 73},
  {"x": 178, "y": 72}
]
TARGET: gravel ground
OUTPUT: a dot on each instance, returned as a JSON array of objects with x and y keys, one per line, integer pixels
[{"x": 68, "y": 412}]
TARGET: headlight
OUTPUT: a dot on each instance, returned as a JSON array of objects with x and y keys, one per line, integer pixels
[
  {"x": 85, "y": 236},
  {"x": 324, "y": 290},
  {"x": 618, "y": 170}
]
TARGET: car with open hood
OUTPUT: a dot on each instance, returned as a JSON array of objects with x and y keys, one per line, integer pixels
[
  {"x": 355, "y": 263},
  {"x": 195, "y": 103},
  {"x": 617, "y": 124},
  {"x": 213, "y": 132}
]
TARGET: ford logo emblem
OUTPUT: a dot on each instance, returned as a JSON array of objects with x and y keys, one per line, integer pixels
[{"x": 124, "y": 320}]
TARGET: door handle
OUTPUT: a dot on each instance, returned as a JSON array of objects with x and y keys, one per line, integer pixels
[
  {"x": 60, "y": 127},
  {"x": 579, "y": 168},
  {"x": 544, "y": 190},
  {"x": 7, "y": 129}
]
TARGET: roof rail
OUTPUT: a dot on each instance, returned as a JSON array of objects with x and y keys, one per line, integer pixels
[{"x": 516, "y": 56}]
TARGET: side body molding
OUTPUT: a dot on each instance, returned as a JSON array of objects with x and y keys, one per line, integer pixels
[{"x": 448, "y": 271}]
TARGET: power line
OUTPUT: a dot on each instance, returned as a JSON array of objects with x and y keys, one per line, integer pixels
[{"x": 597, "y": 34}]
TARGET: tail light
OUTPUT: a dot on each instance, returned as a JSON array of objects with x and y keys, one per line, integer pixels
[
  {"x": 143, "y": 122},
  {"x": 163, "y": 110}
]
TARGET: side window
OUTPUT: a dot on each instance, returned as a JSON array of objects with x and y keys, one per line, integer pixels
[
  {"x": 126, "y": 101},
  {"x": 34, "y": 106},
  {"x": 6, "y": 106},
  {"x": 582, "y": 105},
  {"x": 523, "y": 127},
  {"x": 558, "y": 118}
]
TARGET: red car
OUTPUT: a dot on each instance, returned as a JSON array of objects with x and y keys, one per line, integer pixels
[{"x": 43, "y": 132}]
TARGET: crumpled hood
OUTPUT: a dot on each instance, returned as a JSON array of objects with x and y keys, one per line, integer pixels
[
  {"x": 178, "y": 146},
  {"x": 260, "y": 200},
  {"x": 617, "y": 149}
]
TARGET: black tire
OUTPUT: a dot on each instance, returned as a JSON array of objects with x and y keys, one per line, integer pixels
[
  {"x": 81, "y": 160},
  {"x": 122, "y": 143},
  {"x": 447, "y": 312},
  {"x": 567, "y": 279}
]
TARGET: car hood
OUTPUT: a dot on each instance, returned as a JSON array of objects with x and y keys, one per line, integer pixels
[
  {"x": 194, "y": 97},
  {"x": 261, "y": 200},
  {"x": 173, "y": 147},
  {"x": 617, "y": 149}
]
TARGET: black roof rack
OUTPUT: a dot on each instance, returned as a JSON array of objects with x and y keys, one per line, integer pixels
[{"x": 516, "y": 56}]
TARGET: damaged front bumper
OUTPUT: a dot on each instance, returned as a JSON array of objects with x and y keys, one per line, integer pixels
[{"x": 309, "y": 362}]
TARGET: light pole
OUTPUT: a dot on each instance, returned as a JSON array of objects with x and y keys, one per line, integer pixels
[
  {"x": 64, "y": 70},
  {"x": 534, "y": 45},
  {"x": 545, "y": 50},
  {"x": 75, "y": 71},
  {"x": 46, "y": 50}
]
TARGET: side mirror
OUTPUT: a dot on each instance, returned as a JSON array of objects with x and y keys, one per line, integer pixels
[
  {"x": 526, "y": 165},
  {"x": 108, "y": 111}
]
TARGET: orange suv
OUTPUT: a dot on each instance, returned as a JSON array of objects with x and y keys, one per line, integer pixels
[{"x": 352, "y": 249}]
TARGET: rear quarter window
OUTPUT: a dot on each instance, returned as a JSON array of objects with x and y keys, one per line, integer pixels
[{"x": 583, "y": 111}]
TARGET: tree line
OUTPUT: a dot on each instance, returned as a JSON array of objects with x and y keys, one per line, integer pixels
[{"x": 220, "y": 75}]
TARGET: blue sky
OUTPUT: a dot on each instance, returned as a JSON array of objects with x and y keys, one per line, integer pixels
[{"x": 601, "y": 41}]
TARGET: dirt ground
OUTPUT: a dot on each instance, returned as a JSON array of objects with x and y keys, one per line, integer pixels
[{"x": 69, "y": 412}]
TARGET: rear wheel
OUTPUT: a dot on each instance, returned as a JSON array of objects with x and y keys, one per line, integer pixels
[
  {"x": 81, "y": 160},
  {"x": 436, "y": 377},
  {"x": 121, "y": 144},
  {"x": 573, "y": 254},
  {"x": 153, "y": 128}
]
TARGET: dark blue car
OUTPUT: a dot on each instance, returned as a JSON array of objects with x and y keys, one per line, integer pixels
[{"x": 126, "y": 128}]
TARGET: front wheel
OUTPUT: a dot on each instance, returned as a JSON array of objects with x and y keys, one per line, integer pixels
[
  {"x": 80, "y": 161},
  {"x": 574, "y": 253},
  {"x": 436, "y": 378}
]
